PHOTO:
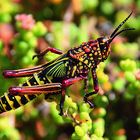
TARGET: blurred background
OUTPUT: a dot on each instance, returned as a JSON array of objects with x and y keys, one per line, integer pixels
[{"x": 29, "y": 26}]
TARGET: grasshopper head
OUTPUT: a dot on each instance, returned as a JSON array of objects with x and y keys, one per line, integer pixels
[{"x": 104, "y": 42}]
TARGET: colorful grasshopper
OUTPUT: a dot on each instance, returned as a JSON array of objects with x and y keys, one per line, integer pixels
[{"x": 55, "y": 76}]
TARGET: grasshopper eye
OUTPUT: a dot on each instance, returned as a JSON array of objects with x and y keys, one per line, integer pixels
[{"x": 107, "y": 43}]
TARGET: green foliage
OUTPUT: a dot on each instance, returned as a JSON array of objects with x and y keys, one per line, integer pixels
[{"x": 8, "y": 131}]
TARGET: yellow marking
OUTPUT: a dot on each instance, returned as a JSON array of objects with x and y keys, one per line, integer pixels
[
  {"x": 81, "y": 67},
  {"x": 80, "y": 50},
  {"x": 86, "y": 61},
  {"x": 89, "y": 64},
  {"x": 91, "y": 58},
  {"x": 85, "y": 55},
  {"x": 11, "y": 103},
  {"x": 81, "y": 59},
  {"x": 26, "y": 96},
  {"x": 2, "y": 96},
  {"x": 42, "y": 82},
  {"x": 68, "y": 73},
  {"x": 4, "y": 107},
  {"x": 90, "y": 54},
  {"x": 80, "y": 63},
  {"x": 104, "y": 50},
  {"x": 20, "y": 85},
  {"x": 28, "y": 83},
  {"x": 1, "y": 107},
  {"x": 75, "y": 51},
  {"x": 98, "y": 49},
  {"x": 95, "y": 53},
  {"x": 18, "y": 98},
  {"x": 37, "y": 78},
  {"x": 77, "y": 70},
  {"x": 49, "y": 78},
  {"x": 103, "y": 56},
  {"x": 101, "y": 43},
  {"x": 74, "y": 69}
]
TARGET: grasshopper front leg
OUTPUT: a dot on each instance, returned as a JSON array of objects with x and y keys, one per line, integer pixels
[
  {"x": 54, "y": 50},
  {"x": 96, "y": 88},
  {"x": 65, "y": 84}
]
